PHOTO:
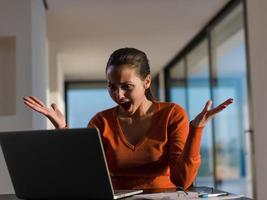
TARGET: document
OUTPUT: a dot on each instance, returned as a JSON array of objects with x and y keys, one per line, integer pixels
[{"x": 180, "y": 196}]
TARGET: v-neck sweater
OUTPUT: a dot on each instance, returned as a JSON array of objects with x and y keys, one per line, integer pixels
[{"x": 167, "y": 156}]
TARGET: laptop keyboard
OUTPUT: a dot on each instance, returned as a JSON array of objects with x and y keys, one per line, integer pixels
[{"x": 119, "y": 192}]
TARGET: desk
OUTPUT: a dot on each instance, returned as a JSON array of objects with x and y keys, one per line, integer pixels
[{"x": 13, "y": 196}]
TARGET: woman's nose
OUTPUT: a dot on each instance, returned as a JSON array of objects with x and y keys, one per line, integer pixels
[{"x": 120, "y": 93}]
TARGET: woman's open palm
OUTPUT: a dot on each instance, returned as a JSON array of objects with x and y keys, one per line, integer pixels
[
  {"x": 206, "y": 114},
  {"x": 53, "y": 113}
]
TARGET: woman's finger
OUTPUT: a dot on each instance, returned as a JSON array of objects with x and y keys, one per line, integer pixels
[
  {"x": 30, "y": 101},
  {"x": 207, "y": 106},
  {"x": 33, "y": 101},
  {"x": 36, "y": 108},
  {"x": 33, "y": 105},
  {"x": 54, "y": 106},
  {"x": 37, "y": 101},
  {"x": 221, "y": 107}
]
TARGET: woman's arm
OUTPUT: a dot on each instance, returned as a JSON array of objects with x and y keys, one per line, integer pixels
[{"x": 185, "y": 147}]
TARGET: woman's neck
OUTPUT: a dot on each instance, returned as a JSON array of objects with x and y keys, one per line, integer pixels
[{"x": 143, "y": 110}]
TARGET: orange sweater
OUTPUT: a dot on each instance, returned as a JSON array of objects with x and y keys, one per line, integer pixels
[{"x": 169, "y": 154}]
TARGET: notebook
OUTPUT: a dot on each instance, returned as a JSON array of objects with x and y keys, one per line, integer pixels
[{"x": 58, "y": 164}]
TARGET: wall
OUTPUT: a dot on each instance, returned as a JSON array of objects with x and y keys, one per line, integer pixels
[
  {"x": 26, "y": 21},
  {"x": 257, "y": 41},
  {"x": 7, "y": 75}
]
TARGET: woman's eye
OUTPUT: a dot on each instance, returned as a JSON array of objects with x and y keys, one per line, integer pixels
[
  {"x": 128, "y": 87},
  {"x": 111, "y": 87}
]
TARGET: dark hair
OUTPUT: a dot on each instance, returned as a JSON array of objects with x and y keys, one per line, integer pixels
[{"x": 136, "y": 59}]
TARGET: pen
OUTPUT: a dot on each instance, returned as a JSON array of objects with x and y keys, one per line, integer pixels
[{"x": 206, "y": 195}]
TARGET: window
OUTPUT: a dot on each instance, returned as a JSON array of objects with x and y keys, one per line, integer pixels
[
  {"x": 177, "y": 85},
  {"x": 229, "y": 71},
  {"x": 199, "y": 91},
  {"x": 213, "y": 66},
  {"x": 84, "y": 100}
]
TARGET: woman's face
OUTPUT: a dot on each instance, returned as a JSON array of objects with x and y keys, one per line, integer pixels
[{"x": 126, "y": 88}]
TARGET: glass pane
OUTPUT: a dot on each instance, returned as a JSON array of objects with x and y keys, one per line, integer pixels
[
  {"x": 198, "y": 82},
  {"x": 155, "y": 87},
  {"x": 84, "y": 101},
  {"x": 230, "y": 80},
  {"x": 178, "y": 84}
]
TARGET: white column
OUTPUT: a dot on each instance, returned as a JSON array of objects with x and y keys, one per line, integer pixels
[
  {"x": 26, "y": 21},
  {"x": 56, "y": 79},
  {"x": 39, "y": 58}
]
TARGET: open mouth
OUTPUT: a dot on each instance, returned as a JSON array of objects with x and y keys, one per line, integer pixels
[{"x": 126, "y": 105}]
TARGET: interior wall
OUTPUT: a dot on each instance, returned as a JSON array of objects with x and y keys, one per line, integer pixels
[
  {"x": 26, "y": 21},
  {"x": 257, "y": 32},
  {"x": 7, "y": 75}
]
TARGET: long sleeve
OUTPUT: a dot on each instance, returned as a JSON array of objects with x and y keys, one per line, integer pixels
[
  {"x": 166, "y": 157},
  {"x": 185, "y": 144}
]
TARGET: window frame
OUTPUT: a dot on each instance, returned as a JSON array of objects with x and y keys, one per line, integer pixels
[{"x": 205, "y": 33}]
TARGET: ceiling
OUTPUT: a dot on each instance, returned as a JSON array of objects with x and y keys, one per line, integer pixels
[{"x": 84, "y": 33}]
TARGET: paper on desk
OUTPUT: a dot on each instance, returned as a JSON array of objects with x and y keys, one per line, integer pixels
[
  {"x": 229, "y": 196},
  {"x": 165, "y": 196},
  {"x": 174, "y": 196}
]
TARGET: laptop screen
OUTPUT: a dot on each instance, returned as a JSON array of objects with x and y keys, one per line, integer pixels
[{"x": 61, "y": 163}]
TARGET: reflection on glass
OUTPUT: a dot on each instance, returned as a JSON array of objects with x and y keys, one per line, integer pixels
[
  {"x": 155, "y": 87},
  {"x": 198, "y": 82},
  {"x": 226, "y": 150},
  {"x": 178, "y": 84},
  {"x": 230, "y": 80},
  {"x": 84, "y": 101}
]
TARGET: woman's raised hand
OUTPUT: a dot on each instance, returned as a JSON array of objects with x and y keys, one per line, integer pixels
[
  {"x": 206, "y": 114},
  {"x": 53, "y": 113}
]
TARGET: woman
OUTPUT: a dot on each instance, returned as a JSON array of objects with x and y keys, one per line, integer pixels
[{"x": 148, "y": 144}]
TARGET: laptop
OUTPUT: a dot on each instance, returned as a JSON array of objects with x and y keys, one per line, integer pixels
[{"x": 59, "y": 164}]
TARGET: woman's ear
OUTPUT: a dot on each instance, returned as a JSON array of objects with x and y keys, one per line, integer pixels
[{"x": 147, "y": 81}]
